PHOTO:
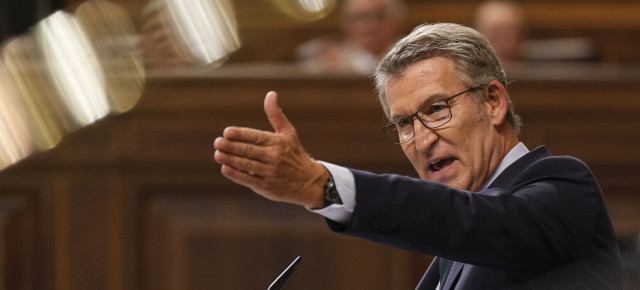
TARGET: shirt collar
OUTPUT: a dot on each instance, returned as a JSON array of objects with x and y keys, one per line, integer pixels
[{"x": 513, "y": 155}]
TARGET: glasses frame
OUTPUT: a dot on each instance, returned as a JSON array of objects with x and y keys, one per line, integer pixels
[{"x": 392, "y": 123}]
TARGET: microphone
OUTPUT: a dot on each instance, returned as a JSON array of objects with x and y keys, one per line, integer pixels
[{"x": 278, "y": 282}]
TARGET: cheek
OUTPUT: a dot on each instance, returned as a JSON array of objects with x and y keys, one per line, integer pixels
[
  {"x": 408, "y": 151},
  {"x": 411, "y": 153}
]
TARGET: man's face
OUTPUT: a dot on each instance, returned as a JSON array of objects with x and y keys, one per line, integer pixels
[{"x": 463, "y": 153}]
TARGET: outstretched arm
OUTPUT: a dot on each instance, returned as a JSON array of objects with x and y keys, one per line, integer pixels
[{"x": 272, "y": 164}]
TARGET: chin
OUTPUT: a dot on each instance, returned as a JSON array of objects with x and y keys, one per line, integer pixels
[
  {"x": 456, "y": 184},
  {"x": 430, "y": 177}
]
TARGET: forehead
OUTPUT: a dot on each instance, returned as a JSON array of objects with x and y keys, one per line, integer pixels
[{"x": 425, "y": 80}]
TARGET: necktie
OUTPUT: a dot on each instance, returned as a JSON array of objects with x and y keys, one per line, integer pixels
[{"x": 445, "y": 268}]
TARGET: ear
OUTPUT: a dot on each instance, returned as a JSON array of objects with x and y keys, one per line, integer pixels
[{"x": 496, "y": 102}]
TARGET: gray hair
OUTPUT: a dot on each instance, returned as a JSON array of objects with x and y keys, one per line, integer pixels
[{"x": 475, "y": 59}]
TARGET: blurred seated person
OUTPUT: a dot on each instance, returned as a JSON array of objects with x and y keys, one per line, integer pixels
[
  {"x": 503, "y": 23},
  {"x": 369, "y": 28}
]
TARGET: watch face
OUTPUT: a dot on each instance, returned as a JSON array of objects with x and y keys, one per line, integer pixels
[{"x": 331, "y": 193}]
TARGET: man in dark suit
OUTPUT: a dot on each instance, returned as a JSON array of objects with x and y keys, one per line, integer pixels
[{"x": 495, "y": 214}]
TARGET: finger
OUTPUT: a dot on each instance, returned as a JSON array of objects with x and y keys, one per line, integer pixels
[
  {"x": 250, "y": 181},
  {"x": 242, "y": 149},
  {"x": 249, "y": 166},
  {"x": 240, "y": 177},
  {"x": 248, "y": 135},
  {"x": 276, "y": 117}
]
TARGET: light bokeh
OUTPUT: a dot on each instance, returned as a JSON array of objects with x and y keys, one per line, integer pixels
[
  {"x": 305, "y": 10},
  {"x": 74, "y": 68},
  {"x": 73, "y": 65},
  {"x": 207, "y": 29},
  {"x": 114, "y": 38},
  {"x": 68, "y": 72}
]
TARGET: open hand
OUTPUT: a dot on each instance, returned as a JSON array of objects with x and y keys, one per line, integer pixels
[{"x": 272, "y": 164}]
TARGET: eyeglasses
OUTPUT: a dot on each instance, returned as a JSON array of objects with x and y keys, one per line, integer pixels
[{"x": 434, "y": 115}]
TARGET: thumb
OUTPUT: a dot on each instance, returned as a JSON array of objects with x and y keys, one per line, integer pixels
[{"x": 276, "y": 117}]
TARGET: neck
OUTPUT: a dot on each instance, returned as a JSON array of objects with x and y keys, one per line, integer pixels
[{"x": 509, "y": 139}]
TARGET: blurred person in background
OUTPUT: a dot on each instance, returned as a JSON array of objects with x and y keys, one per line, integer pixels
[
  {"x": 503, "y": 23},
  {"x": 369, "y": 28}
]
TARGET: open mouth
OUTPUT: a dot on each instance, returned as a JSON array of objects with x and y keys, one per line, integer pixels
[{"x": 440, "y": 164}]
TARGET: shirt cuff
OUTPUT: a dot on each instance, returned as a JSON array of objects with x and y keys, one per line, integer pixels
[{"x": 345, "y": 185}]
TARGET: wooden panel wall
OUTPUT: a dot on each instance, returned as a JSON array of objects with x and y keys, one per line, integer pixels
[{"x": 136, "y": 202}]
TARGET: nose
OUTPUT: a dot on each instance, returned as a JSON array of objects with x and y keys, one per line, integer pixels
[{"x": 424, "y": 137}]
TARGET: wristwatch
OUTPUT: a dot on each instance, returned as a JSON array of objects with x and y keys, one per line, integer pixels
[{"x": 331, "y": 195}]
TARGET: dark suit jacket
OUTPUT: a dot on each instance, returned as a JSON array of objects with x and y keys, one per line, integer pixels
[{"x": 542, "y": 224}]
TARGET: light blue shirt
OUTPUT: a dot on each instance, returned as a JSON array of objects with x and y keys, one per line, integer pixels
[{"x": 346, "y": 186}]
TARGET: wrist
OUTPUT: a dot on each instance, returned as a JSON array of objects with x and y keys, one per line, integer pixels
[{"x": 317, "y": 198}]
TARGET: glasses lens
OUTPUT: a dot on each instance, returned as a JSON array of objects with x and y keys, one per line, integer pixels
[
  {"x": 399, "y": 133},
  {"x": 435, "y": 115},
  {"x": 405, "y": 133}
]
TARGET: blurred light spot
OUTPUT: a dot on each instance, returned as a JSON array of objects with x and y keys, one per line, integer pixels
[
  {"x": 35, "y": 91},
  {"x": 73, "y": 64},
  {"x": 207, "y": 28},
  {"x": 306, "y": 10},
  {"x": 15, "y": 141},
  {"x": 314, "y": 6},
  {"x": 67, "y": 72},
  {"x": 115, "y": 40}
]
